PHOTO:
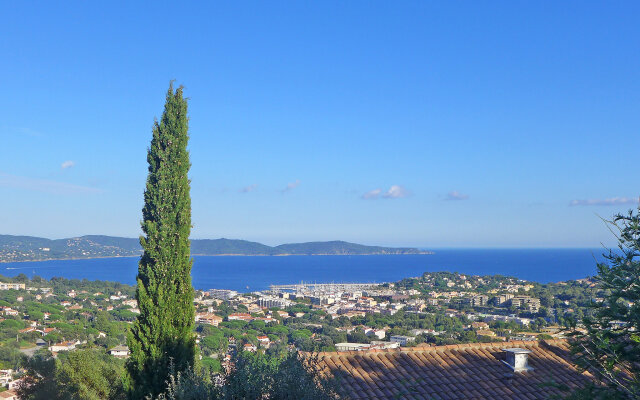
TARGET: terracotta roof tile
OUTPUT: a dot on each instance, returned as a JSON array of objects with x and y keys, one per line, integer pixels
[{"x": 468, "y": 371}]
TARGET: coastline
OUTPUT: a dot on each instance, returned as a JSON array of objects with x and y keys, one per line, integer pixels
[
  {"x": 65, "y": 259},
  {"x": 225, "y": 255}
]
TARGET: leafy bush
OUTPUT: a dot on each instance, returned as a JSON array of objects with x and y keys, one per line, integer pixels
[{"x": 255, "y": 376}]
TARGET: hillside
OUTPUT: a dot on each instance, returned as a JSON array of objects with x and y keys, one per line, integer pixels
[
  {"x": 28, "y": 248},
  {"x": 338, "y": 248}
]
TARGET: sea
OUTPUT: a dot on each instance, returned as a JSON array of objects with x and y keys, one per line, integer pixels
[{"x": 253, "y": 273}]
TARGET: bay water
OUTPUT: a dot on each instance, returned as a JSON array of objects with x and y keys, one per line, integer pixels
[{"x": 250, "y": 273}]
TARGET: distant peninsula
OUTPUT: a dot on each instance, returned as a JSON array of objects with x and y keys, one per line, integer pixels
[{"x": 29, "y": 248}]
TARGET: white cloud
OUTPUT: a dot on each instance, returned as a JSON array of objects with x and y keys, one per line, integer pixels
[
  {"x": 394, "y": 192},
  {"x": 67, "y": 164},
  {"x": 41, "y": 185},
  {"x": 613, "y": 201},
  {"x": 372, "y": 194},
  {"x": 290, "y": 186},
  {"x": 455, "y": 195},
  {"x": 249, "y": 188}
]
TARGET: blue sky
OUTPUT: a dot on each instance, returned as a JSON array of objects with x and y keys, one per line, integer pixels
[{"x": 450, "y": 124}]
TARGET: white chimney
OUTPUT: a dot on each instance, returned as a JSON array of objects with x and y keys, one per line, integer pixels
[{"x": 517, "y": 359}]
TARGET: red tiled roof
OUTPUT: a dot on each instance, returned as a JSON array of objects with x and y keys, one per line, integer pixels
[
  {"x": 468, "y": 371},
  {"x": 9, "y": 394}
]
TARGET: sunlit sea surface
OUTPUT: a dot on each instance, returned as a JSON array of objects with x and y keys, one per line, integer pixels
[{"x": 246, "y": 273}]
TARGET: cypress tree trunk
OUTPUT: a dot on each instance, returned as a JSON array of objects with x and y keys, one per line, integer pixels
[{"x": 163, "y": 333}]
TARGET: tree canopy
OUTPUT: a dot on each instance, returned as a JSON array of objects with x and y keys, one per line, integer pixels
[
  {"x": 163, "y": 332},
  {"x": 610, "y": 348}
]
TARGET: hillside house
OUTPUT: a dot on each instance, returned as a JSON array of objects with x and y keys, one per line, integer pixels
[
  {"x": 264, "y": 341},
  {"x": 250, "y": 347},
  {"x": 208, "y": 319},
  {"x": 120, "y": 351},
  {"x": 402, "y": 340},
  {"x": 240, "y": 317},
  {"x": 64, "y": 346},
  {"x": 11, "y": 286}
]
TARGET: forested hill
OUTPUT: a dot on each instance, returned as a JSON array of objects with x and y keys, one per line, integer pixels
[{"x": 28, "y": 248}]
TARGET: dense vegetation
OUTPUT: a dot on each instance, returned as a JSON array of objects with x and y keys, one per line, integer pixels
[
  {"x": 610, "y": 348},
  {"x": 92, "y": 375},
  {"x": 563, "y": 303},
  {"x": 84, "y": 374},
  {"x": 284, "y": 376}
]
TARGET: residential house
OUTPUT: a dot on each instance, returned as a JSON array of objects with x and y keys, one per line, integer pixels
[
  {"x": 497, "y": 371},
  {"x": 11, "y": 286},
  {"x": 479, "y": 325},
  {"x": 6, "y": 376},
  {"x": 250, "y": 347},
  {"x": 240, "y": 317},
  {"x": 64, "y": 346},
  {"x": 403, "y": 340},
  {"x": 10, "y": 311},
  {"x": 267, "y": 320},
  {"x": 120, "y": 351},
  {"x": 208, "y": 319},
  {"x": 264, "y": 341}
]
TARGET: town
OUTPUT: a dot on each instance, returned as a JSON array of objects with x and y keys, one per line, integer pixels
[{"x": 58, "y": 316}]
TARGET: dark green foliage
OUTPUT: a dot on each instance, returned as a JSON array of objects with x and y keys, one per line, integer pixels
[
  {"x": 10, "y": 356},
  {"x": 163, "y": 332},
  {"x": 82, "y": 374},
  {"x": 594, "y": 392},
  {"x": 215, "y": 342},
  {"x": 212, "y": 364},
  {"x": 277, "y": 377},
  {"x": 39, "y": 381},
  {"x": 611, "y": 346},
  {"x": 189, "y": 385},
  {"x": 358, "y": 336},
  {"x": 255, "y": 376}
]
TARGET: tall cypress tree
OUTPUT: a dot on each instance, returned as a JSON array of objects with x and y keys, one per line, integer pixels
[{"x": 163, "y": 333}]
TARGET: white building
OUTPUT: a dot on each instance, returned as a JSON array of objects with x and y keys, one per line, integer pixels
[
  {"x": 65, "y": 346},
  {"x": 14, "y": 286},
  {"x": 272, "y": 301},
  {"x": 379, "y": 333},
  {"x": 120, "y": 351},
  {"x": 352, "y": 346},
  {"x": 403, "y": 340},
  {"x": 222, "y": 294}
]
